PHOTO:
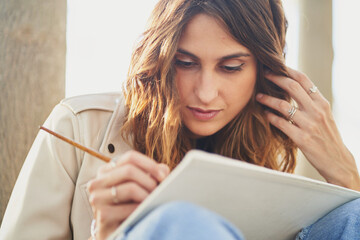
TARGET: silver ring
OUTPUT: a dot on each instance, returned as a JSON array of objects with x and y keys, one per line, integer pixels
[
  {"x": 313, "y": 89},
  {"x": 114, "y": 195},
  {"x": 93, "y": 229},
  {"x": 292, "y": 112}
]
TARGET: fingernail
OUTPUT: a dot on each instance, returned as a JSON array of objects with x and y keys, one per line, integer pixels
[
  {"x": 164, "y": 171},
  {"x": 162, "y": 174},
  {"x": 112, "y": 164},
  {"x": 259, "y": 96}
]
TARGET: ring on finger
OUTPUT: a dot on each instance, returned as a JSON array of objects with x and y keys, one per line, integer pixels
[
  {"x": 313, "y": 89},
  {"x": 114, "y": 195},
  {"x": 291, "y": 112}
]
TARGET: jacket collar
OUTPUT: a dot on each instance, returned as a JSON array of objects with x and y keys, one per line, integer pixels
[{"x": 113, "y": 143}]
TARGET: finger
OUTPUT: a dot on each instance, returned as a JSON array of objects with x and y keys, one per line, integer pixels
[
  {"x": 283, "y": 107},
  {"x": 131, "y": 192},
  {"x": 307, "y": 84},
  {"x": 285, "y": 126},
  {"x": 291, "y": 86},
  {"x": 145, "y": 163},
  {"x": 110, "y": 217},
  {"x": 107, "y": 167},
  {"x": 301, "y": 78},
  {"x": 125, "y": 173},
  {"x": 124, "y": 193},
  {"x": 116, "y": 213},
  {"x": 165, "y": 168}
]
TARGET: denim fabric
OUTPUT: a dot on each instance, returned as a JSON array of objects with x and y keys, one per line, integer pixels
[
  {"x": 182, "y": 220},
  {"x": 179, "y": 221},
  {"x": 343, "y": 223}
]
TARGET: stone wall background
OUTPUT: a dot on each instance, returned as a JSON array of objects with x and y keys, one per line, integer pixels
[{"x": 32, "y": 78}]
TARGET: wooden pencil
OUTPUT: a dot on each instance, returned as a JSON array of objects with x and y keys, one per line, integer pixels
[{"x": 78, "y": 145}]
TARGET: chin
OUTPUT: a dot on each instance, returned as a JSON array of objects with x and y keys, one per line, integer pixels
[{"x": 200, "y": 132}]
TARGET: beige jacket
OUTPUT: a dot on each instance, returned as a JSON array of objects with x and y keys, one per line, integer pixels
[{"x": 49, "y": 200}]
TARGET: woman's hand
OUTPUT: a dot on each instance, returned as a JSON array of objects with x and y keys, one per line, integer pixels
[
  {"x": 312, "y": 128},
  {"x": 120, "y": 187}
]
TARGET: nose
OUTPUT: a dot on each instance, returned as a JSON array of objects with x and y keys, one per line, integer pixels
[{"x": 206, "y": 88}]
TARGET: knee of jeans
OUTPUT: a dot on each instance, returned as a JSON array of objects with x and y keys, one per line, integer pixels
[
  {"x": 340, "y": 223},
  {"x": 355, "y": 204},
  {"x": 181, "y": 216},
  {"x": 348, "y": 213},
  {"x": 352, "y": 208}
]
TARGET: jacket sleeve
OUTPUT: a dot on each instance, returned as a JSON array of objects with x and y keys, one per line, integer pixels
[{"x": 40, "y": 204}]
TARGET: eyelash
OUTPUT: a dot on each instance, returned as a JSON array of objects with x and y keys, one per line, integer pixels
[
  {"x": 232, "y": 69},
  {"x": 189, "y": 65},
  {"x": 184, "y": 64}
]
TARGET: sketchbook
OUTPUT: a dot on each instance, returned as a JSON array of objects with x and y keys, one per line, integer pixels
[{"x": 262, "y": 203}]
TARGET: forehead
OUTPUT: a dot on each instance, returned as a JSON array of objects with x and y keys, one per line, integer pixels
[{"x": 204, "y": 34}]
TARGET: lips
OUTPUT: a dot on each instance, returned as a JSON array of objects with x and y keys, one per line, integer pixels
[{"x": 203, "y": 114}]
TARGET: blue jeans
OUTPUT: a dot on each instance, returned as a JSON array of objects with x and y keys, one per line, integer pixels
[
  {"x": 179, "y": 221},
  {"x": 182, "y": 220},
  {"x": 343, "y": 223}
]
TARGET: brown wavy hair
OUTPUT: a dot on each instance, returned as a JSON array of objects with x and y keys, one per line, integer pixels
[{"x": 153, "y": 123}]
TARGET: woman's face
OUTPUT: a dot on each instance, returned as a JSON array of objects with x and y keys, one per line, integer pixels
[{"x": 215, "y": 76}]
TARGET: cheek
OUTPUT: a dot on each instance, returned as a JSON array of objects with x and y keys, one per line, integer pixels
[
  {"x": 240, "y": 93},
  {"x": 179, "y": 86},
  {"x": 183, "y": 86}
]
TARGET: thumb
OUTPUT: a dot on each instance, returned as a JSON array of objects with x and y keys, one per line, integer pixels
[{"x": 165, "y": 170}]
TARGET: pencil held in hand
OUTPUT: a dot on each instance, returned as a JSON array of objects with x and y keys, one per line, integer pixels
[{"x": 78, "y": 145}]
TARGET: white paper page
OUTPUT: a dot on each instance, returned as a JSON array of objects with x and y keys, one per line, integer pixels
[{"x": 262, "y": 203}]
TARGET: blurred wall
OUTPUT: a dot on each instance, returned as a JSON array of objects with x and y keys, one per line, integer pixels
[
  {"x": 315, "y": 57},
  {"x": 32, "y": 78}
]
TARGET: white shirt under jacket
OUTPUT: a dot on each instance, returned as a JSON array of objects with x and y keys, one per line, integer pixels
[{"x": 49, "y": 200}]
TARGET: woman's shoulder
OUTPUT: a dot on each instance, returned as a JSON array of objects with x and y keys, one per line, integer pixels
[
  {"x": 92, "y": 120},
  {"x": 99, "y": 101}
]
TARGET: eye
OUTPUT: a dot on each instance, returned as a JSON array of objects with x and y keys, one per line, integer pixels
[
  {"x": 230, "y": 69},
  {"x": 185, "y": 64}
]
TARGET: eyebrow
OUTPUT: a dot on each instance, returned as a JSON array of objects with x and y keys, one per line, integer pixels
[{"x": 235, "y": 55}]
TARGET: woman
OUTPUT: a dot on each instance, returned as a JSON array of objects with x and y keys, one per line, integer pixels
[
  {"x": 227, "y": 58},
  {"x": 208, "y": 75}
]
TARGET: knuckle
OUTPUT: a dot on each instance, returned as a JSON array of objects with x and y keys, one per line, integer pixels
[
  {"x": 283, "y": 105},
  {"x": 152, "y": 185},
  {"x": 129, "y": 171},
  {"x": 133, "y": 192},
  {"x": 101, "y": 170},
  {"x": 320, "y": 116},
  {"x": 131, "y": 154},
  {"x": 294, "y": 86},
  {"x": 302, "y": 77},
  {"x": 299, "y": 76},
  {"x": 131, "y": 157},
  {"x": 325, "y": 105},
  {"x": 93, "y": 199},
  {"x": 91, "y": 186},
  {"x": 131, "y": 189}
]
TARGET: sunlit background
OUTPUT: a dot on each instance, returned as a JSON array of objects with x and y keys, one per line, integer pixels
[{"x": 101, "y": 36}]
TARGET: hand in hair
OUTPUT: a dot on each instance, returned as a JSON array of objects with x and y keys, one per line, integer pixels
[
  {"x": 312, "y": 128},
  {"x": 119, "y": 188}
]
